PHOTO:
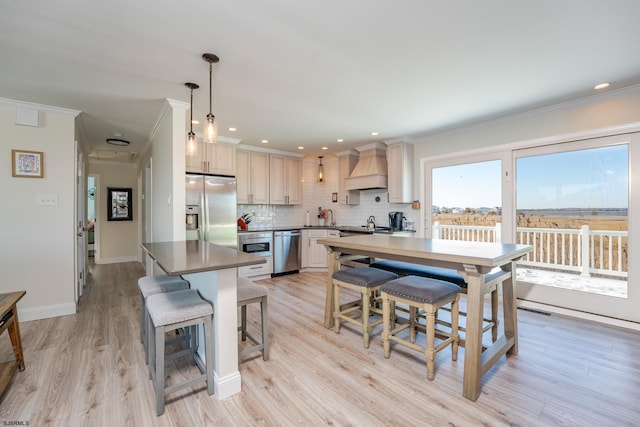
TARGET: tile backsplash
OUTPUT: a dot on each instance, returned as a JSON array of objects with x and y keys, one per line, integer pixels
[{"x": 316, "y": 195}]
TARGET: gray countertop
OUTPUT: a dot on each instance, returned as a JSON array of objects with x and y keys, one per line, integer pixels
[{"x": 195, "y": 256}]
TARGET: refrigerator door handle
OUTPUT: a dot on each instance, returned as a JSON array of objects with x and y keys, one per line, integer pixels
[{"x": 205, "y": 217}]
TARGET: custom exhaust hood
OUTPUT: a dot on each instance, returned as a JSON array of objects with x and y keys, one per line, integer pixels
[{"x": 371, "y": 170}]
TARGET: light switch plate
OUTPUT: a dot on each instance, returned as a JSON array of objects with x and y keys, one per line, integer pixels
[{"x": 47, "y": 200}]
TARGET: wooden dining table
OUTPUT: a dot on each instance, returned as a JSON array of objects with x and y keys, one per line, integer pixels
[{"x": 472, "y": 260}]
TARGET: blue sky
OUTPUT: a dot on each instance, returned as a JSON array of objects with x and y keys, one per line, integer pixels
[{"x": 594, "y": 178}]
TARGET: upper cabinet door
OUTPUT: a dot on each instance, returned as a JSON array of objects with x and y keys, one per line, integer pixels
[
  {"x": 286, "y": 180},
  {"x": 347, "y": 160},
  {"x": 400, "y": 162},
  {"x": 277, "y": 165},
  {"x": 195, "y": 157},
  {"x": 243, "y": 167},
  {"x": 259, "y": 172},
  {"x": 293, "y": 181},
  {"x": 221, "y": 158},
  {"x": 252, "y": 177},
  {"x": 218, "y": 158}
]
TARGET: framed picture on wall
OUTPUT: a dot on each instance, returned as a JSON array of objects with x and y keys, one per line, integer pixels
[
  {"x": 27, "y": 164},
  {"x": 119, "y": 204}
]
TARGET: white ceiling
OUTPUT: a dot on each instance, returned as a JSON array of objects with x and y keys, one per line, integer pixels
[{"x": 307, "y": 73}]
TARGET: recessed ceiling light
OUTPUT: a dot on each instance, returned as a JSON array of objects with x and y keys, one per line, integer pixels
[
  {"x": 195, "y": 122},
  {"x": 300, "y": 148},
  {"x": 325, "y": 148},
  {"x": 374, "y": 133},
  {"x": 340, "y": 140},
  {"x": 232, "y": 129},
  {"x": 602, "y": 86},
  {"x": 265, "y": 141}
]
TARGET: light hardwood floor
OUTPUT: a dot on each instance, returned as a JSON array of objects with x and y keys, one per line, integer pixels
[{"x": 88, "y": 369}]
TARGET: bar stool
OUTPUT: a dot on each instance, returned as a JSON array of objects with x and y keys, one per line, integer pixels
[
  {"x": 367, "y": 281},
  {"x": 249, "y": 293},
  {"x": 429, "y": 295},
  {"x": 173, "y": 310},
  {"x": 151, "y": 285}
]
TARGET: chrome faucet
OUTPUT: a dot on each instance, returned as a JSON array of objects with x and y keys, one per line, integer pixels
[{"x": 332, "y": 223}]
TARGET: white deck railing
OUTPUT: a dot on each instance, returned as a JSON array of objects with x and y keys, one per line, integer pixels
[{"x": 583, "y": 251}]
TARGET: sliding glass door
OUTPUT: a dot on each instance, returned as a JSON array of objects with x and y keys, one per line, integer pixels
[
  {"x": 572, "y": 206},
  {"x": 572, "y": 202}
]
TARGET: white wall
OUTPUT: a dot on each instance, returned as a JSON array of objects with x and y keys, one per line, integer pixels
[
  {"x": 37, "y": 242},
  {"x": 572, "y": 120},
  {"x": 168, "y": 172}
]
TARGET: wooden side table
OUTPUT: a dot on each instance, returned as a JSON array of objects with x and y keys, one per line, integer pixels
[{"x": 9, "y": 320}]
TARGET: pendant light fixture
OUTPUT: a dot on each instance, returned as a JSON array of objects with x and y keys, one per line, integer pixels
[
  {"x": 191, "y": 137},
  {"x": 211, "y": 127},
  {"x": 320, "y": 171}
]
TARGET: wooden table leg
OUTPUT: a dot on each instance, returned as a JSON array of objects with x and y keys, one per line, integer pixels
[
  {"x": 473, "y": 338},
  {"x": 334, "y": 265},
  {"x": 16, "y": 342},
  {"x": 509, "y": 307}
]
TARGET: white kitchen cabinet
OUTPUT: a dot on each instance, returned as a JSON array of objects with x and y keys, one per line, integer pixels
[
  {"x": 347, "y": 160},
  {"x": 286, "y": 180},
  {"x": 314, "y": 255},
  {"x": 218, "y": 158},
  {"x": 400, "y": 179},
  {"x": 258, "y": 270},
  {"x": 252, "y": 177}
]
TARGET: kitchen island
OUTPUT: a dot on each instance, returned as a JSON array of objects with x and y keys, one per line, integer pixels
[
  {"x": 212, "y": 270},
  {"x": 472, "y": 260}
]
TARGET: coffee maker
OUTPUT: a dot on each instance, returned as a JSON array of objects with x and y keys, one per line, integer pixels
[{"x": 395, "y": 220}]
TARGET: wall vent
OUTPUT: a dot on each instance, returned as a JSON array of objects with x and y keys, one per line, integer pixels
[{"x": 27, "y": 117}]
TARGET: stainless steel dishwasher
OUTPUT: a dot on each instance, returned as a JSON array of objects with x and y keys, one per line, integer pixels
[{"x": 286, "y": 252}]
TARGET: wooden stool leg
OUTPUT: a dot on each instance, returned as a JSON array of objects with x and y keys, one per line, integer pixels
[
  {"x": 412, "y": 324},
  {"x": 386, "y": 322},
  {"x": 454, "y": 327},
  {"x": 430, "y": 350},
  {"x": 336, "y": 305},
  {"x": 265, "y": 329},
  {"x": 494, "y": 315},
  {"x": 365, "y": 316}
]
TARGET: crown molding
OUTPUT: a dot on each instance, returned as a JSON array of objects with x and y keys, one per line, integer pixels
[{"x": 40, "y": 107}]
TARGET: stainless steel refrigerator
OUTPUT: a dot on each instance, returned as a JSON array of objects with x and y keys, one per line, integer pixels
[{"x": 210, "y": 213}]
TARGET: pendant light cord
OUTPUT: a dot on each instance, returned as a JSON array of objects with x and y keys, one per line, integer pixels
[{"x": 210, "y": 88}]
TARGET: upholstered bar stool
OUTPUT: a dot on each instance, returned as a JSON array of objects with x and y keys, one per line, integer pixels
[
  {"x": 151, "y": 285},
  {"x": 429, "y": 295},
  {"x": 249, "y": 293},
  {"x": 366, "y": 281},
  {"x": 173, "y": 310}
]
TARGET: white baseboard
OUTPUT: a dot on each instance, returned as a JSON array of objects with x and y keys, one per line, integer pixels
[
  {"x": 46, "y": 312},
  {"x": 226, "y": 386},
  {"x": 579, "y": 315},
  {"x": 117, "y": 260}
]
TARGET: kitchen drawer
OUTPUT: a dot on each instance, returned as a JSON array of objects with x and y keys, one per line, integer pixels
[{"x": 257, "y": 270}]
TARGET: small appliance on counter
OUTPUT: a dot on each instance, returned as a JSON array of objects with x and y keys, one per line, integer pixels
[{"x": 395, "y": 220}]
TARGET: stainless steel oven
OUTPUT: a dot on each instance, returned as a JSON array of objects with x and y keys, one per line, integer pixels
[{"x": 258, "y": 243}]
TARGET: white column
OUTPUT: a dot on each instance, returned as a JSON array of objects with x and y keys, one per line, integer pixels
[{"x": 220, "y": 288}]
